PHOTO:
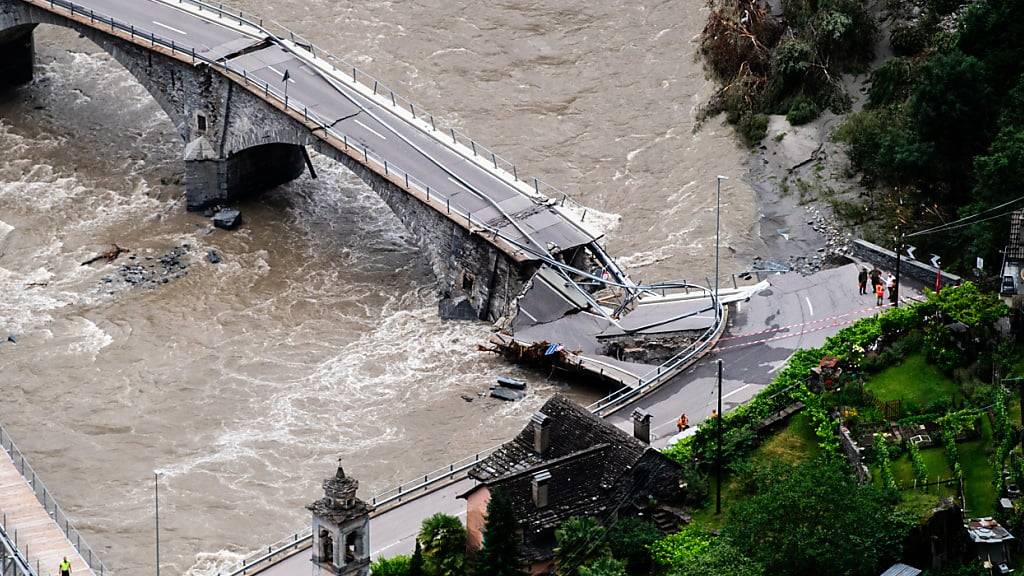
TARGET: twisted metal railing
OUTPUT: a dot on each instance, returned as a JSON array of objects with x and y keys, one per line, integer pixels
[{"x": 45, "y": 497}]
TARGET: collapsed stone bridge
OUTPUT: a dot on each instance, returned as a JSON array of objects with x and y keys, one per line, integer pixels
[{"x": 249, "y": 105}]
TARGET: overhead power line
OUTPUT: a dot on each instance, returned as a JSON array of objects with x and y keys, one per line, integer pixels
[{"x": 960, "y": 223}]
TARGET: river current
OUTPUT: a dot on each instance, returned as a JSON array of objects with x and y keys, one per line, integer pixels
[{"x": 317, "y": 337}]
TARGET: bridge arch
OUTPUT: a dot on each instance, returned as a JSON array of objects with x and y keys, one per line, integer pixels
[{"x": 237, "y": 144}]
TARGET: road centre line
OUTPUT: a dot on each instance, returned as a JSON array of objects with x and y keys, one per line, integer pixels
[
  {"x": 377, "y": 134},
  {"x": 171, "y": 28},
  {"x": 281, "y": 74}
]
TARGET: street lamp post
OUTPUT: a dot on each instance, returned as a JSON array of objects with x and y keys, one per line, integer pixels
[
  {"x": 718, "y": 231},
  {"x": 156, "y": 492}
]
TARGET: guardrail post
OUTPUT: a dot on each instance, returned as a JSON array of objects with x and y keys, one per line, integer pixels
[
  {"x": 366, "y": 157},
  {"x": 428, "y": 194},
  {"x": 386, "y": 168},
  {"x": 406, "y": 180},
  {"x": 353, "y": 74},
  {"x": 536, "y": 186},
  {"x": 515, "y": 173},
  {"x": 92, "y": 17},
  {"x": 473, "y": 144},
  {"x": 393, "y": 103},
  {"x": 412, "y": 108},
  {"x": 454, "y": 139},
  {"x": 432, "y": 125},
  {"x": 494, "y": 159},
  {"x": 374, "y": 87},
  {"x": 448, "y": 201}
]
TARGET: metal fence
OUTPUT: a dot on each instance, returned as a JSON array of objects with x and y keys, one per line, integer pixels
[{"x": 45, "y": 498}]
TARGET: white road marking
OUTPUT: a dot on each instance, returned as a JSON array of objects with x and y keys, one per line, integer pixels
[
  {"x": 378, "y": 134},
  {"x": 737, "y": 391},
  {"x": 171, "y": 28},
  {"x": 809, "y": 307},
  {"x": 281, "y": 74}
]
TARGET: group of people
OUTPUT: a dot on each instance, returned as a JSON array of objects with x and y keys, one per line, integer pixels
[{"x": 878, "y": 284}]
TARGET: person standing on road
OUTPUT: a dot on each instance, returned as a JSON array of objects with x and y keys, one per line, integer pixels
[
  {"x": 683, "y": 423},
  {"x": 862, "y": 280},
  {"x": 880, "y": 292},
  {"x": 65, "y": 567},
  {"x": 876, "y": 278},
  {"x": 892, "y": 292}
]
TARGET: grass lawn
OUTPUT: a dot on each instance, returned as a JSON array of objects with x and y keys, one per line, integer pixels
[
  {"x": 793, "y": 444},
  {"x": 974, "y": 460},
  {"x": 914, "y": 381}
]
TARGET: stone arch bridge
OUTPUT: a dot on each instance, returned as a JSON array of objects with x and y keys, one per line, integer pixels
[{"x": 249, "y": 103}]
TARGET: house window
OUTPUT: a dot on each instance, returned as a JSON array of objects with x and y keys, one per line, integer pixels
[{"x": 201, "y": 123}]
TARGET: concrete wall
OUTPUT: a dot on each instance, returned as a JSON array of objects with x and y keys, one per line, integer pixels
[
  {"x": 886, "y": 260},
  {"x": 237, "y": 144}
]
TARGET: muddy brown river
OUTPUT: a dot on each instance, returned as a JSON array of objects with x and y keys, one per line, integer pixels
[{"x": 317, "y": 335}]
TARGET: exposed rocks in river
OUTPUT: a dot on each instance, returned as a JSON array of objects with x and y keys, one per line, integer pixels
[
  {"x": 150, "y": 271},
  {"x": 228, "y": 219}
]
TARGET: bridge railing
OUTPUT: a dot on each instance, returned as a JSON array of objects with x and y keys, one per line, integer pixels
[
  {"x": 11, "y": 555},
  {"x": 45, "y": 497},
  {"x": 468, "y": 146}
]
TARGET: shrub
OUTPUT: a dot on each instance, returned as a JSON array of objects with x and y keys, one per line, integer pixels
[
  {"x": 630, "y": 540},
  {"x": 792, "y": 59},
  {"x": 580, "y": 541},
  {"x": 444, "y": 545},
  {"x": 891, "y": 83},
  {"x": 908, "y": 39},
  {"x": 752, "y": 127},
  {"x": 917, "y": 463},
  {"x": 802, "y": 111},
  {"x": 394, "y": 566}
]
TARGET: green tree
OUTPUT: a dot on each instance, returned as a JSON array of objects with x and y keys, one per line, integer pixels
[
  {"x": 695, "y": 552},
  {"x": 394, "y": 566},
  {"x": 629, "y": 540},
  {"x": 606, "y": 566},
  {"x": 444, "y": 545},
  {"x": 499, "y": 555},
  {"x": 416, "y": 567},
  {"x": 580, "y": 541},
  {"x": 817, "y": 519}
]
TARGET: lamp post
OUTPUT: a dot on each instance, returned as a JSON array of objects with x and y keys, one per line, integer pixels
[
  {"x": 718, "y": 231},
  {"x": 156, "y": 492}
]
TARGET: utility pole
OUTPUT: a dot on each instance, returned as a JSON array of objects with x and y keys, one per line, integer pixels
[
  {"x": 899, "y": 257},
  {"x": 718, "y": 445},
  {"x": 156, "y": 490}
]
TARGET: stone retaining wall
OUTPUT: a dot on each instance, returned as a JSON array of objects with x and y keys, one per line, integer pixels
[{"x": 886, "y": 260}]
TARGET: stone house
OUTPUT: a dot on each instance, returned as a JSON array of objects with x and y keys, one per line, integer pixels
[{"x": 568, "y": 462}]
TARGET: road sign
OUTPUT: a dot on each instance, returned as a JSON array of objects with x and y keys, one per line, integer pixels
[
  {"x": 980, "y": 263},
  {"x": 935, "y": 261},
  {"x": 910, "y": 251}
]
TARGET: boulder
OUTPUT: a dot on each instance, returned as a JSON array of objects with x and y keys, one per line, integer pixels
[
  {"x": 506, "y": 394},
  {"x": 213, "y": 257},
  {"x": 227, "y": 219},
  {"x": 513, "y": 383}
]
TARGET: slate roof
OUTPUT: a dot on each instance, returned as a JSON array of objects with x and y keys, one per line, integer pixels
[
  {"x": 572, "y": 429},
  {"x": 1015, "y": 249},
  {"x": 901, "y": 570},
  {"x": 596, "y": 470}
]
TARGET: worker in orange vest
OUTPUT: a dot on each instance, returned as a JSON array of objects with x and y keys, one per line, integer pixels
[{"x": 880, "y": 293}]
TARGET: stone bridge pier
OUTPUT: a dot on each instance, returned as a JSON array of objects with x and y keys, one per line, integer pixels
[{"x": 237, "y": 144}]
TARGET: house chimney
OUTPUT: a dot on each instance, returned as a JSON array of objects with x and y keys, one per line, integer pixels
[
  {"x": 541, "y": 432},
  {"x": 540, "y": 488},
  {"x": 642, "y": 425}
]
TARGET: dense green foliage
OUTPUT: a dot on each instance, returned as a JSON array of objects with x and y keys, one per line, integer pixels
[
  {"x": 815, "y": 518},
  {"x": 581, "y": 541},
  {"x": 946, "y": 128},
  {"x": 394, "y": 566},
  {"x": 696, "y": 552},
  {"x": 499, "y": 555},
  {"x": 444, "y": 545},
  {"x": 769, "y": 65},
  {"x": 629, "y": 540}
]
